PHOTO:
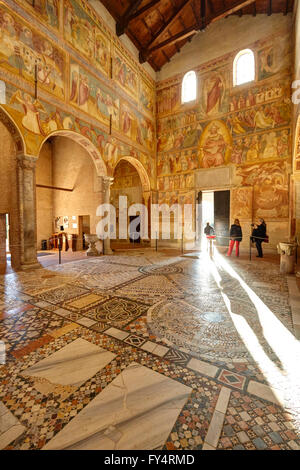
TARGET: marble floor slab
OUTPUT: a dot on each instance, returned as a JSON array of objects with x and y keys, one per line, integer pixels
[
  {"x": 69, "y": 367},
  {"x": 136, "y": 411},
  {"x": 10, "y": 427}
]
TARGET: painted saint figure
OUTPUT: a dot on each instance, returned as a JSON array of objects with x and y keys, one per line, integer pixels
[{"x": 213, "y": 149}]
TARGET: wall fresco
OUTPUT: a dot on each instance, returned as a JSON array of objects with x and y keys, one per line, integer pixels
[
  {"x": 147, "y": 97},
  {"x": 215, "y": 145},
  {"x": 22, "y": 49},
  {"x": 137, "y": 127},
  {"x": 125, "y": 75},
  {"x": 274, "y": 57},
  {"x": 241, "y": 202},
  {"x": 84, "y": 34},
  {"x": 88, "y": 94},
  {"x": 48, "y": 10},
  {"x": 270, "y": 186}
]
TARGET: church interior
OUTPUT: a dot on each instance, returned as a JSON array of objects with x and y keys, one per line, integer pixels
[{"x": 142, "y": 339}]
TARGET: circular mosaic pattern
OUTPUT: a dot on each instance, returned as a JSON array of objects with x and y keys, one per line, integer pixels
[
  {"x": 155, "y": 269},
  {"x": 204, "y": 330},
  {"x": 213, "y": 317}
]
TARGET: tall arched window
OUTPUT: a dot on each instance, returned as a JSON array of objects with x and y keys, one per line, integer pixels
[
  {"x": 2, "y": 92},
  {"x": 189, "y": 87},
  {"x": 243, "y": 67}
]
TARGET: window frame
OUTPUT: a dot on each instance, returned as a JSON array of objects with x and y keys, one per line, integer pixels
[
  {"x": 235, "y": 64},
  {"x": 196, "y": 87}
]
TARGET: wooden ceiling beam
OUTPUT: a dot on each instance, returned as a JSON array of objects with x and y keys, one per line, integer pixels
[
  {"x": 270, "y": 8},
  {"x": 144, "y": 54},
  {"x": 197, "y": 17},
  {"x": 231, "y": 10},
  {"x": 167, "y": 25},
  {"x": 211, "y": 6},
  {"x": 122, "y": 25},
  {"x": 145, "y": 9},
  {"x": 286, "y": 8},
  {"x": 203, "y": 14}
]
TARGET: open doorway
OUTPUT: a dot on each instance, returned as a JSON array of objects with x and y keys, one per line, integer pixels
[
  {"x": 4, "y": 242},
  {"x": 214, "y": 207},
  {"x": 84, "y": 228}
]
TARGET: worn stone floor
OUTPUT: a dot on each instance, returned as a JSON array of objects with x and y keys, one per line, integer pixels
[{"x": 144, "y": 350}]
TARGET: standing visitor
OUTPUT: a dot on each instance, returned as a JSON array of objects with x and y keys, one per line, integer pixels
[
  {"x": 236, "y": 237},
  {"x": 259, "y": 234}
]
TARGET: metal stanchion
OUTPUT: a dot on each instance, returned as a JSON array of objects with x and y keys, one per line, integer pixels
[
  {"x": 250, "y": 246},
  {"x": 156, "y": 241},
  {"x": 182, "y": 246},
  {"x": 59, "y": 251}
]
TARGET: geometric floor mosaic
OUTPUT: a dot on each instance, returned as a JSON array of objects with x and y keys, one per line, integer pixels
[{"x": 145, "y": 350}]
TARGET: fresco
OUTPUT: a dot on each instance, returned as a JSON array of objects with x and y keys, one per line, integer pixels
[
  {"x": 267, "y": 146},
  {"x": 259, "y": 94},
  {"x": 241, "y": 202},
  {"x": 146, "y": 97},
  {"x": 180, "y": 138},
  {"x": 137, "y": 127},
  {"x": 266, "y": 116},
  {"x": 214, "y": 93},
  {"x": 84, "y": 34},
  {"x": 48, "y": 10},
  {"x": 88, "y": 94},
  {"x": 270, "y": 186},
  {"x": 215, "y": 145},
  {"x": 274, "y": 57},
  {"x": 125, "y": 75},
  {"x": 125, "y": 176},
  {"x": 170, "y": 183},
  {"x": 177, "y": 162},
  {"x": 177, "y": 121},
  {"x": 22, "y": 49},
  {"x": 168, "y": 99}
]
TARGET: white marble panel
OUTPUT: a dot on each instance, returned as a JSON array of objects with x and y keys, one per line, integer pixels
[
  {"x": 71, "y": 365},
  {"x": 136, "y": 411}
]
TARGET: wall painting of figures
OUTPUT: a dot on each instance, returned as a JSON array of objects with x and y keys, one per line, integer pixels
[{"x": 22, "y": 49}]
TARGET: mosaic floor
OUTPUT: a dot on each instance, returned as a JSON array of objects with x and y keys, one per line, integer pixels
[{"x": 149, "y": 351}]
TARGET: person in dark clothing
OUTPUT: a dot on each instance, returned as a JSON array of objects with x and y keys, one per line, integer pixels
[
  {"x": 208, "y": 230},
  {"x": 236, "y": 236},
  {"x": 258, "y": 235}
]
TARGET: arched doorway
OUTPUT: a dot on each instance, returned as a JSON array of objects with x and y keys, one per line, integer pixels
[
  {"x": 130, "y": 180},
  {"x": 68, "y": 190},
  {"x": 11, "y": 151}
]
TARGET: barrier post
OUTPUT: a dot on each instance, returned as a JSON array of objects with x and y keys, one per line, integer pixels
[
  {"x": 156, "y": 242},
  {"x": 250, "y": 245}
]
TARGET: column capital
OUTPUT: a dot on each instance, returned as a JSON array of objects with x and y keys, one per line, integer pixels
[
  {"x": 107, "y": 182},
  {"x": 26, "y": 162}
]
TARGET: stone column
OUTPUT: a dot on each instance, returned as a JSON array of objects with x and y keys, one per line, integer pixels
[
  {"x": 107, "y": 181},
  {"x": 146, "y": 200},
  {"x": 2, "y": 243},
  {"x": 27, "y": 206}
]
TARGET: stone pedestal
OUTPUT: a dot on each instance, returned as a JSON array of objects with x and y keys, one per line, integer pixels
[
  {"x": 92, "y": 239},
  {"x": 287, "y": 257}
]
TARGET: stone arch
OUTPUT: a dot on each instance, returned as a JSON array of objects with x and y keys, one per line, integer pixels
[
  {"x": 84, "y": 142},
  {"x": 141, "y": 171},
  {"x": 14, "y": 131}
]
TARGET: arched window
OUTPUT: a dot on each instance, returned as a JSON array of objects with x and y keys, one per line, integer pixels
[
  {"x": 2, "y": 92},
  {"x": 243, "y": 67},
  {"x": 189, "y": 87}
]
